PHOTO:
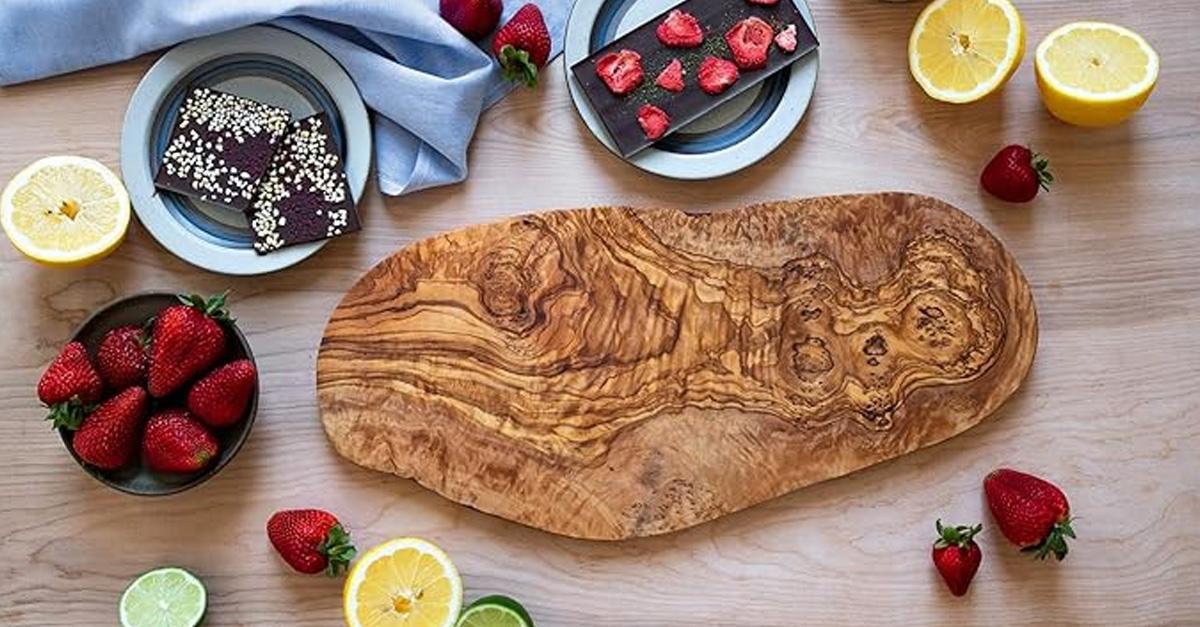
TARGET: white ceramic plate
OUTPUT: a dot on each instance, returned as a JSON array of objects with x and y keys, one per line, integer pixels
[
  {"x": 733, "y": 136},
  {"x": 263, "y": 63}
]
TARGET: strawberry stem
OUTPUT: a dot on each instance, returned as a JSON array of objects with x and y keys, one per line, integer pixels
[
  {"x": 337, "y": 549},
  {"x": 213, "y": 306},
  {"x": 516, "y": 66},
  {"x": 961, "y": 536},
  {"x": 1055, "y": 542},
  {"x": 1041, "y": 165},
  {"x": 69, "y": 414}
]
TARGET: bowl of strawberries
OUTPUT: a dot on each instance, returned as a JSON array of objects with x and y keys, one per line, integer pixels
[{"x": 155, "y": 393}]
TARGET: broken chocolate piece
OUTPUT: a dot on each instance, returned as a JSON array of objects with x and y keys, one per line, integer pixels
[
  {"x": 304, "y": 196},
  {"x": 220, "y": 146}
]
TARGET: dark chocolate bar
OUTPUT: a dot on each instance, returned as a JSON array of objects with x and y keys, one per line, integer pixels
[
  {"x": 220, "y": 147},
  {"x": 716, "y": 17},
  {"x": 304, "y": 196}
]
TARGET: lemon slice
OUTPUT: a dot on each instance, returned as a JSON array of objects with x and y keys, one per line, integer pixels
[
  {"x": 962, "y": 50},
  {"x": 1095, "y": 74},
  {"x": 405, "y": 582},
  {"x": 65, "y": 211}
]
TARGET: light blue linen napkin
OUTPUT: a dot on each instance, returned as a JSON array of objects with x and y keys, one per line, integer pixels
[{"x": 425, "y": 83}]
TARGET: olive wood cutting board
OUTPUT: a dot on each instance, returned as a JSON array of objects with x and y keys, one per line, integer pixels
[{"x": 610, "y": 373}]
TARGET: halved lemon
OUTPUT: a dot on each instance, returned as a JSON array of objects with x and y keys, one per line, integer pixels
[
  {"x": 962, "y": 50},
  {"x": 65, "y": 211},
  {"x": 405, "y": 582},
  {"x": 1095, "y": 74}
]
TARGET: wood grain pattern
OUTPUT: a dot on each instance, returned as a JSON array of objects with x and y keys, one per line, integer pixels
[
  {"x": 610, "y": 373},
  {"x": 1110, "y": 410}
]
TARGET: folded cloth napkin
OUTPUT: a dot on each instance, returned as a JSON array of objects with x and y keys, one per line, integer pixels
[{"x": 425, "y": 82}]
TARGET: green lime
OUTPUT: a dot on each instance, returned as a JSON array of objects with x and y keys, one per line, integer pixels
[
  {"x": 166, "y": 597},
  {"x": 496, "y": 610}
]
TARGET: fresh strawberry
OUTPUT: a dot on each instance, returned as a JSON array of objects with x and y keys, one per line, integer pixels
[
  {"x": 671, "y": 77},
  {"x": 107, "y": 438},
  {"x": 680, "y": 30},
  {"x": 1031, "y": 512},
  {"x": 523, "y": 45},
  {"x": 716, "y": 75},
  {"x": 654, "y": 121},
  {"x": 69, "y": 385},
  {"x": 311, "y": 541},
  {"x": 185, "y": 341},
  {"x": 749, "y": 40},
  {"x": 1016, "y": 173},
  {"x": 473, "y": 18},
  {"x": 176, "y": 442},
  {"x": 220, "y": 398},
  {"x": 121, "y": 357},
  {"x": 956, "y": 556},
  {"x": 786, "y": 39},
  {"x": 621, "y": 71}
]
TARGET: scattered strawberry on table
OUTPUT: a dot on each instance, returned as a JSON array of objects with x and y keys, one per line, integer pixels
[
  {"x": 522, "y": 46},
  {"x": 680, "y": 30},
  {"x": 475, "y": 19},
  {"x": 1016, "y": 174},
  {"x": 956, "y": 556},
  {"x": 1031, "y": 512},
  {"x": 311, "y": 541},
  {"x": 176, "y": 442}
]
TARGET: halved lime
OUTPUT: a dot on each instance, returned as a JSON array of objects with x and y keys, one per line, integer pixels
[
  {"x": 496, "y": 610},
  {"x": 166, "y": 597}
]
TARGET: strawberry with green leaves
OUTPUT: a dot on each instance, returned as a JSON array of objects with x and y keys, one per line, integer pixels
[
  {"x": 185, "y": 340},
  {"x": 1031, "y": 512},
  {"x": 522, "y": 45},
  {"x": 107, "y": 439},
  {"x": 69, "y": 386},
  {"x": 311, "y": 541},
  {"x": 956, "y": 556}
]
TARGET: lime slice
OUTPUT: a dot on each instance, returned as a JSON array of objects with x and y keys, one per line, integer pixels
[
  {"x": 166, "y": 597},
  {"x": 496, "y": 610}
]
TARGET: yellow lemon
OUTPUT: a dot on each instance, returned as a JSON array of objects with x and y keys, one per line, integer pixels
[
  {"x": 1095, "y": 74},
  {"x": 65, "y": 211},
  {"x": 405, "y": 582},
  {"x": 962, "y": 50}
]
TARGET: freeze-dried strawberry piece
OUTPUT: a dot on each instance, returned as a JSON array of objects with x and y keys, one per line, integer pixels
[
  {"x": 654, "y": 121},
  {"x": 749, "y": 41},
  {"x": 680, "y": 30},
  {"x": 621, "y": 71},
  {"x": 764, "y": 2},
  {"x": 716, "y": 75},
  {"x": 671, "y": 77},
  {"x": 786, "y": 39}
]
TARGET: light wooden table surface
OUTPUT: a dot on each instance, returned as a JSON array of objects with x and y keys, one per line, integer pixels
[{"x": 1111, "y": 410}]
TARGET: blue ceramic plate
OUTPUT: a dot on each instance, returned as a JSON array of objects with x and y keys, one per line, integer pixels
[
  {"x": 733, "y": 136},
  {"x": 263, "y": 63}
]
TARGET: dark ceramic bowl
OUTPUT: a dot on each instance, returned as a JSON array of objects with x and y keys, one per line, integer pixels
[{"x": 137, "y": 479}]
